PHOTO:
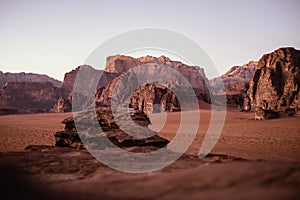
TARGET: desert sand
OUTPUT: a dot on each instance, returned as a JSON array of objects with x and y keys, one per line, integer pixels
[{"x": 251, "y": 160}]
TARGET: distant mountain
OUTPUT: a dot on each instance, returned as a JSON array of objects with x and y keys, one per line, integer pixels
[
  {"x": 27, "y": 97},
  {"x": 235, "y": 82},
  {"x": 26, "y": 77},
  {"x": 235, "y": 79},
  {"x": 240, "y": 73}
]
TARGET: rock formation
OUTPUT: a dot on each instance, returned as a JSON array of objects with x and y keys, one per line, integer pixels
[
  {"x": 148, "y": 96},
  {"x": 135, "y": 123},
  {"x": 61, "y": 97},
  {"x": 26, "y": 77},
  {"x": 276, "y": 81}
]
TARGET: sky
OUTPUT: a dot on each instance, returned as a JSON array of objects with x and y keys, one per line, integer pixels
[{"x": 54, "y": 37}]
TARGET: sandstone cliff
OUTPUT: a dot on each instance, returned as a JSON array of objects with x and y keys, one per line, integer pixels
[{"x": 276, "y": 81}]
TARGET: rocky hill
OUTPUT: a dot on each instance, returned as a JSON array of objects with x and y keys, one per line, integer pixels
[
  {"x": 26, "y": 77},
  {"x": 275, "y": 85}
]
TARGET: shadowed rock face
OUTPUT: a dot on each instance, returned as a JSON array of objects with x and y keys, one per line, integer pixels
[
  {"x": 64, "y": 103},
  {"x": 28, "y": 97},
  {"x": 27, "y": 93},
  {"x": 276, "y": 81}
]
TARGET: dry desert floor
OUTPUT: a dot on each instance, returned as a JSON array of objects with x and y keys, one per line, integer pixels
[{"x": 251, "y": 160}]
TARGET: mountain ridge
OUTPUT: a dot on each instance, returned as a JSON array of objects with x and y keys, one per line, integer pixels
[
  {"x": 26, "y": 77},
  {"x": 240, "y": 82}
]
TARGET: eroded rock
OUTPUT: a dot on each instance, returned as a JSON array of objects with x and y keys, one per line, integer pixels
[
  {"x": 276, "y": 82},
  {"x": 123, "y": 129}
]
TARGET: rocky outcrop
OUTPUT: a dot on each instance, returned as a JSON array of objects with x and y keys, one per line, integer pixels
[
  {"x": 26, "y": 77},
  {"x": 134, "y": 123},
  {"x": 28, "y": 97},
  {"x": 276, "y": 81},
  {"x": 68, "y": 137}
]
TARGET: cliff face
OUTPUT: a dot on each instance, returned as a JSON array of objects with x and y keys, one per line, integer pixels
[
  {"x": 26, "y": 77},
  {"x": 151, "y": 97},
  {"x": 28, "y": 97},
  {"x": 276, "y": 81}
]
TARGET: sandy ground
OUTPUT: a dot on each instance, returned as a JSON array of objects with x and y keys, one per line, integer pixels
[
  {"x": 19, "y": 131},
  {"x": 277, "y": 139},
  {"x": 270, "y": 168}
]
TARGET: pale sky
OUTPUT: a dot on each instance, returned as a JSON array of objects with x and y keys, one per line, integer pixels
[{"x": 54, "y": 37}]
